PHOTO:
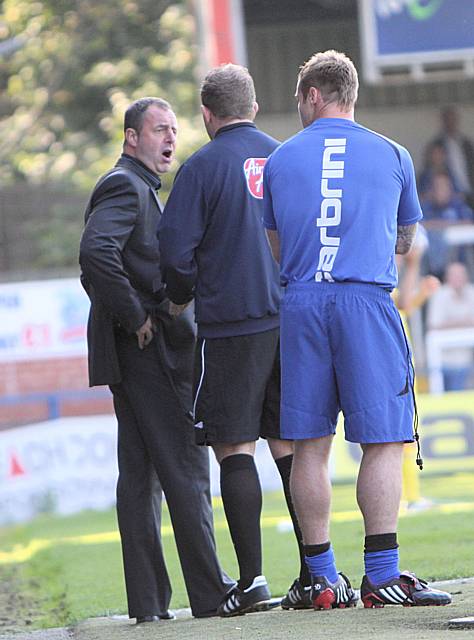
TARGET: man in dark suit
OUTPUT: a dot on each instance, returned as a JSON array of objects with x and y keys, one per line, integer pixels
[{"x": 144, "y": 352}]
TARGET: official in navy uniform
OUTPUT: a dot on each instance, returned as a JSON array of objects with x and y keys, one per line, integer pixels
[{"x": 214, "y": 249}]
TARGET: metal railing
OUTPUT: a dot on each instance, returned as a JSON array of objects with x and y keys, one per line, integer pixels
[{"x": 438, "y": 341}]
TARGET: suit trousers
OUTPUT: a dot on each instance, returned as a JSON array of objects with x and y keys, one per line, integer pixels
[{"x": 157, "y": 454}]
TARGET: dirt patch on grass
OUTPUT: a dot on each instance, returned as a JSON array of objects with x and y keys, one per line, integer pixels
[
  {"x": 17, "y": 610},
  {"x": 21, "y": 603}
]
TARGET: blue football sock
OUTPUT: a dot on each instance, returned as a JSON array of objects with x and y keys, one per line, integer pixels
[
  {"x": 381, "y": 566},
  {"x": 323, "y": 565}
]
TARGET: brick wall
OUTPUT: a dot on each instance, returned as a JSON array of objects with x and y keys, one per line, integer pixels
[{"x": 40, "y": 389}]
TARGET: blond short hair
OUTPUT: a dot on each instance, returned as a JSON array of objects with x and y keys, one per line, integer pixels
[{"x": 334, "y": 74}]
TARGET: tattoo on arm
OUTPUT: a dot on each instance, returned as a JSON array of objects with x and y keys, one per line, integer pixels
[{"x": 405, "y": 236}]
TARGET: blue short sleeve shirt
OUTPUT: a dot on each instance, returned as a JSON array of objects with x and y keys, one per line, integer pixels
[{"x": 336, "y": 192}]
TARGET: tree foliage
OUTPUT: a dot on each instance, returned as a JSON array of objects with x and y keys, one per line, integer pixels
[
  {"x": 68, "y": 70},
  {"x": 80, "y": 63}
]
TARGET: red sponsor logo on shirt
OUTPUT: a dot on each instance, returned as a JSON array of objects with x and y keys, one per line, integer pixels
[{"x": 253, "y": 170}]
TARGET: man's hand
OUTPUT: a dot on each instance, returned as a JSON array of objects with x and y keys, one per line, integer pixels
[
  {"x": 177, "y": 309},
  {"x": 145, "y": 333},
  {"x": 429, "y": 285}
]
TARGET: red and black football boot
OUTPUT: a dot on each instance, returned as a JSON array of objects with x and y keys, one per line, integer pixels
[
  {"x": 407, "y": 590},
  {"x": 337, "y": 595}
]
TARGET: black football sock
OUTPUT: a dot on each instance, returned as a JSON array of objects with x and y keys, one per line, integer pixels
[
  {"x": 381, "y": 558},
  {"x": 242, "y": 499},
  {"x": 284, "y": 467}
]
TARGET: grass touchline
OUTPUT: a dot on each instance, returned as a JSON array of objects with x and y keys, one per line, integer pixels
[{"x": 23, "y": 553}]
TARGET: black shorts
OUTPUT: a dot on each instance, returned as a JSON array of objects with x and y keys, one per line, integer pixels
[{"x": 237, "y": 388}]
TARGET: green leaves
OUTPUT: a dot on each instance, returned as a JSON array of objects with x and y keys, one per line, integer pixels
[
  {"x": 81, "y": 63},
  {"x": 64, "y": 87}
]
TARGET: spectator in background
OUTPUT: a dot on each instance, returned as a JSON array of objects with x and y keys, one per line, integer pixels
[
  {"x": 413, "y": 291},
  {"x": 435, "y": 162},
  {"x": 459, "y": 152},
  {"x": 441, "y": 208},
  {"x": 452, "y": 307},
  {"x": 443, "y": 204}
]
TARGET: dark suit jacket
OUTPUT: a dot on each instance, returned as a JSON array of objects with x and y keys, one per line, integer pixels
[{"x": 119, "y": 258}]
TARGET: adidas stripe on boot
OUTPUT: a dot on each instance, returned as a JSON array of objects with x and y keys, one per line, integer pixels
[
  {"x": 407, "y": 590},
  {"x": 328, "y": 595},
  {"x": 239, "y": 601}
]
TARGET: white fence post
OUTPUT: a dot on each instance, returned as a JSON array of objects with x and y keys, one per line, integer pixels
[{"x": 436, "y": 342}]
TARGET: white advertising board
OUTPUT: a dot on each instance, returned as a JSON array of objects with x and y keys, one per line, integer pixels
[
  {"x": 43, "y": 319},
  {"x": 67, "y": 465},
  {"x": 60, "y": 466}
]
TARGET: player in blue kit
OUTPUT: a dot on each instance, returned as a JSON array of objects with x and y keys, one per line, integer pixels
[{"x": 339, "y": 202}]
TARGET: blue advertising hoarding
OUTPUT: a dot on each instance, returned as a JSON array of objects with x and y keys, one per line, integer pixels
[{"x": 408, "y": 32}]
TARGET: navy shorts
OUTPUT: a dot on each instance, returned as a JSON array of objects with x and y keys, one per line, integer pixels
[
  {"x": 237, "y": 388},
  {"x": 343, "y": 347}
]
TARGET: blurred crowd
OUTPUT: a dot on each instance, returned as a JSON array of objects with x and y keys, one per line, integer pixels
[{"x": 436, "y": 278}]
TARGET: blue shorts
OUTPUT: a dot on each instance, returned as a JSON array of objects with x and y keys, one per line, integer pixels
[{"x": 343, "y": 347}]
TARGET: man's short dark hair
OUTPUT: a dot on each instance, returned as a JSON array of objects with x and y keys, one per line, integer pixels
[
  {"x": 136, "y": 112},
  {"x": 228, "y": 92},
  {"x": 334, "y": 74}
]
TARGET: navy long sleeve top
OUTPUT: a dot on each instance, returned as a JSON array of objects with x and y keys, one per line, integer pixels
[{"x": 212, "y": 242}]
